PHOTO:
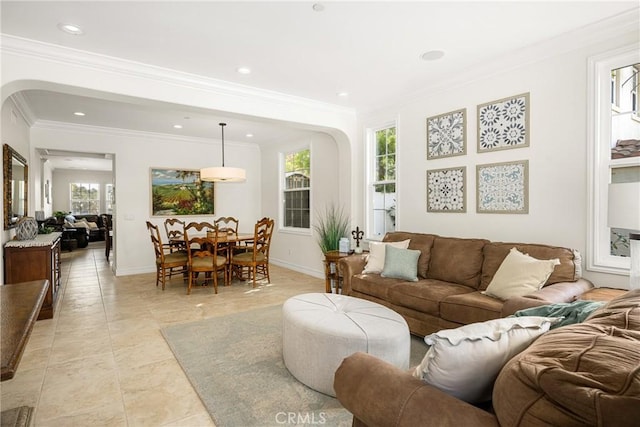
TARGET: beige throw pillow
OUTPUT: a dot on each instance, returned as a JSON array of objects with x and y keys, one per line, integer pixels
[
  {"x": 519, "y": 275},
  {"x": 375, "y": 261},
  {"x": 466, "y": 361}
]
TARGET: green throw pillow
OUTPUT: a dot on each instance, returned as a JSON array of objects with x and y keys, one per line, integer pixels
[{"x": 401, "y": 263}]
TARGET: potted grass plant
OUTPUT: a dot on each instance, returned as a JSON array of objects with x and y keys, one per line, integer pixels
[{"x": 332, "y": 224}]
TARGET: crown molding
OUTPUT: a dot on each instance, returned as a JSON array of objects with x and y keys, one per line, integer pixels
[
  {"x": 117, "y": 132},
  {"x": 23, "y": 108},
  {"x": 28, "y": 48}
]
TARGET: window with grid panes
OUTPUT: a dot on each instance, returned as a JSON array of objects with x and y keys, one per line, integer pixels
[
  {"x": 382, "y": 186},
  {"x": 297, "y": 189},
  {"x": 84, "y": 198}
]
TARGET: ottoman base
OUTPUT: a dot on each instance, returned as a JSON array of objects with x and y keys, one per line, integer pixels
[{"x": 320, "y": 330}]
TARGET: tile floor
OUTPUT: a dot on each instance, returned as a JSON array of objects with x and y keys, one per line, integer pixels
[{"x": 102, "y": 361}]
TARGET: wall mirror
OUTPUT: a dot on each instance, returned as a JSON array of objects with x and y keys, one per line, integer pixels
[{"x": 15, "y": 175}]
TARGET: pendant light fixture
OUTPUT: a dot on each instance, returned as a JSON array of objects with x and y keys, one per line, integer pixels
[{"x": 223, "y": 173}]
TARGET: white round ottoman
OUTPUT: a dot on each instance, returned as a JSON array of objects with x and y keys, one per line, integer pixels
[{"x": 320, "y": 330}]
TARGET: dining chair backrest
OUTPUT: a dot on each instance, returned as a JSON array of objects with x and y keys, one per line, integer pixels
[
  {"x": 196, "y": 229},
  {"x": 202, "y": 245},
  {"x": 227, "y": 224},
  {"x": 204, "y": 253},
  {"x": 174, "y": 229},
  {"x": 106, "y": 221},
  {"x": 156, "y": 239},
  {"x": 262, "y": 237}
]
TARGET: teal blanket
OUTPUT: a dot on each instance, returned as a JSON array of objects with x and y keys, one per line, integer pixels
[{"x": 573, "y": 312}]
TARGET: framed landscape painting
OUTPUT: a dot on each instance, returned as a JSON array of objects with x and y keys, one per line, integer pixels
[{"x": 180, "y": 192}]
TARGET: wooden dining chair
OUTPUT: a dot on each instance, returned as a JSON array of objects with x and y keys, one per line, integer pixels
[
  {"x": 256, "y": 260},
  {"x": 108, "y": 234},
  {"x": 167, "y": 260},
  {"x": 175, "y": 233},
  {"x": 227, "y": 224},
  {"x": 205, "y": 254}
]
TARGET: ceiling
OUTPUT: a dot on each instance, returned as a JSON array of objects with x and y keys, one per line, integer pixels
[{"x": 369, "y": 50}]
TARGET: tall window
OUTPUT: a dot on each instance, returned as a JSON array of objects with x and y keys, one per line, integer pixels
[
  {"x": 109, "y": 198},
  {"x": 297, "y": 189},
  {"x": 625, "y": 145},
  {"x": 85, "y": 198},
  {"x": 382, "y": 182},
  {"x": 614, "y": 149}
]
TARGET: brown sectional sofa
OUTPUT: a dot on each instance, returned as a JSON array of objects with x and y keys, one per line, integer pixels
[
  {"x": 452, "y": 273},
  {"x": 584, "y": 374}
]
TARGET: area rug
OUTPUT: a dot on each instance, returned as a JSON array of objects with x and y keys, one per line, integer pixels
[
  {"x": 16, "y": 417},
  {"x": 235, "y": 365}
]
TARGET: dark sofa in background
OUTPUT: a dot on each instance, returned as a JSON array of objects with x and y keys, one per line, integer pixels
[{"x": 93, "y": 235}]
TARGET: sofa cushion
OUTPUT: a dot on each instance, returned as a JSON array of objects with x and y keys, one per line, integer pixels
[
  {"x": 496, "y": 252},
  {"x": 419, "y": 241},
  {"x": 425, "y": 295},
  {"x": 401, "y": 263},
  {"x": 373, "y": 284},
  {"x": 519, "y": 275},
  {"x": 377, "y": 253},
  {"x": 470, "y": 308},
  {"x": 465, "y": 362},
  {"x": 456, "y": 260}
]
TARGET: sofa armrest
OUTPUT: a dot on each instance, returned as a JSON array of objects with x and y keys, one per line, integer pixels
[
  {"x": 379, "y": 394},
  {"x": 550, "y": 294},
  {"x": 350, "y": 266}
]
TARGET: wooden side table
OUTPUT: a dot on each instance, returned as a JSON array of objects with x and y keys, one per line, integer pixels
[
  {"x": 602, "y": 294},
  {"x": 331, "y": 270}
]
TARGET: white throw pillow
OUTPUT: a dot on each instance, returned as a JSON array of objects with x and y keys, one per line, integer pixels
[
  {"x": 375, "y": 261},
  {"x": 92, "y": 225},
  {"x": 520, "y": 274},
  {"x": 466, "y": 361}
]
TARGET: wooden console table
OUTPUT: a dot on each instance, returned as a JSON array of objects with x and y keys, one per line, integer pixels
[
  {"x": 20, "y": 304},
  {"x": 37, "y": 259}
]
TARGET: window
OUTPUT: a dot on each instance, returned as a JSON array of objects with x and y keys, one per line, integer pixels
[
  {"x": 109, "y": 198},
  {"x": 297, "y": 189},
  {"x": 85, "y": 198},
  {"x": 382, "y": 182},
  {"x": 614, "y": 145}
]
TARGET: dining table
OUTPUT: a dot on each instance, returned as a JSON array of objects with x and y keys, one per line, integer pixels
[{"x": 230, "y": 239}]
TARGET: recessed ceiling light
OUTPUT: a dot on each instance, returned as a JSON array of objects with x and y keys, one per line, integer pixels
[
  {"x": 249, "y": 135},
  {"x": 244, "y": 70},
  {"x": 177, "y": 126},
  {"x": 78, "y": 113},
  {"x": 432, "y": 55},
  {"x": 318, "y": 7},
  {"x": 343, "y": 94},
  {"x": 70, "y": 29}
]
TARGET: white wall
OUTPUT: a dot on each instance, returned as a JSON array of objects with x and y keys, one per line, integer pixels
[
  {"x": 299, "y": 251},
  {"x": 63, "y": 177},
  {"x": 557, "y": 155},
  {"x": 135, "y": 153}
]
